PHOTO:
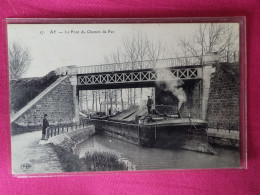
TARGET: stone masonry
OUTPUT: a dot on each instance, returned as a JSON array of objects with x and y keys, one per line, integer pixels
[
  {"x": 57, "y": 104},
  {"x": 223, "y": 106}
]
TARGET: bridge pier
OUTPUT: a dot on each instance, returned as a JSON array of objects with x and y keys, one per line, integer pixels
[
  {"x": 73, "y": 81},
  {"x": 209, "y": 60}
]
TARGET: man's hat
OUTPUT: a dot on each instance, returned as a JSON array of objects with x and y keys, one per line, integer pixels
[{"x": 45, "y": 115}]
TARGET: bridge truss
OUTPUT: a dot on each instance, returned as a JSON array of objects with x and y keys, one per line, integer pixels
[{"x": 140, "y": 76}]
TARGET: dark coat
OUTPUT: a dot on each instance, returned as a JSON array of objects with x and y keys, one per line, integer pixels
[
  {"x": 45, "y": 124},
  {"x": 149, "y": 102}
]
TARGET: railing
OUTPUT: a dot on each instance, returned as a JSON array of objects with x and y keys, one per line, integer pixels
[
  {"x": 166, "y": 110},
  {"x": 224, "y": 126},
  {"x": 171, "y": 111},
  {"x": 231, "y": 56},
  {"x": 63, "y": 128},
  {"x": 149, "y": 64}
]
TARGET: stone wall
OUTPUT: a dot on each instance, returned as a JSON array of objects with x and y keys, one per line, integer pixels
[
  {"x": 223, "y": 137},
  {"x": 57, "y": 104},
  {"x": 223, "y": 106},
  {"x": 68, "y": 141}
]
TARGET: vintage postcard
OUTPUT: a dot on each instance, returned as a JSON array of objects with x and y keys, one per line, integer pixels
[{"x": 125, "y": 96}]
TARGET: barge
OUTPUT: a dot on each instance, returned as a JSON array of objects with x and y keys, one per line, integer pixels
[{"x": 157, "y": 131}]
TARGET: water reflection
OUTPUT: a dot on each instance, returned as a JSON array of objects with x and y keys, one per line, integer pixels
[{"x": 156, "y": 158}]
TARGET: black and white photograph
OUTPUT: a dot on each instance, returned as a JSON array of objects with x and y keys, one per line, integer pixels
[{"x": 124, "y": 96}]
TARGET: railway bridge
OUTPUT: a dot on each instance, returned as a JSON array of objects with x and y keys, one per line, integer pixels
[
  {"x": 145, "y": 74},
  {"x": 211, "y": 97},
  {"x": 61, "y": 99}
]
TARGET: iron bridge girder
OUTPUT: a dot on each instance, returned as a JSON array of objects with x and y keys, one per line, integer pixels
[{"x": 140, "y": 76}]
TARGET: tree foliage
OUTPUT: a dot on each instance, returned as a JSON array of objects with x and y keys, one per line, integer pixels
[
  {"x": 19, "y": 60},
  {"x": 26, "y": 89}
]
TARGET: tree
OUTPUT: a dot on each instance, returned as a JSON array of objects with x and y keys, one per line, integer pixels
[
  {"x": 138, "y": 49},
  {"x": 19, "y": 60},
  {"x": 99, "y": 100},
  {"x": 135, "y": 50},
  {"x": 93, "y": 101},
  {"x": 122, "y": 100},
  {"x": 86, "y": 100},
  {"x": 214, "y": 37}
]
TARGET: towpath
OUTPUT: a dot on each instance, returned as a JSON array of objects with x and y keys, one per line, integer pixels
[{"x": 28, "y": 156}]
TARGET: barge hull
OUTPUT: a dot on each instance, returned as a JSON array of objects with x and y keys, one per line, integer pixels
[{"x": 184, "y": 136}]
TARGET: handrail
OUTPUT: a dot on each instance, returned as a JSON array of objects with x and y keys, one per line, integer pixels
[
  {"x": 218, "y": 126},
  {"x": 148, "y": 64},
  {"x": 232, "y": 56},
  {"x": 63, "y": 128},
  {"x": 174, "y": 108}
]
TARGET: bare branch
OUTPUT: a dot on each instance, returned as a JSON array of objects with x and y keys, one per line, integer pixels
[
  {"x": 209, "y": 38},
  {"x": 19, "y": 60}
]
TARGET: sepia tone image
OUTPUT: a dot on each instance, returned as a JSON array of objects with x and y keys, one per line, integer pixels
[{"x": 123, "y": 97}]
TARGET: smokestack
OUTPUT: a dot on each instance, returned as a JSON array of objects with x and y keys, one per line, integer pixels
[
  {"x": 179, "y": 108},
  {"x": 175, "y": 87},
  {"x": 179, "y": 104}
]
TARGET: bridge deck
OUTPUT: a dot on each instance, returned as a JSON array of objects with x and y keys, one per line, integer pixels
[{"x": 139, "y": 65}]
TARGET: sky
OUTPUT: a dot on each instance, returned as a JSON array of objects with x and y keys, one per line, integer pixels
[{"x": 56, "y": 45}]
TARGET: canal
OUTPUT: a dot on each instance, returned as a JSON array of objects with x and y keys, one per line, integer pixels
[
  {"x": 29, "y": 156},
  {"x": 159, "y": 159}
]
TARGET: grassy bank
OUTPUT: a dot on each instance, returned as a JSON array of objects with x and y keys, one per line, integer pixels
[
  {"x": 69, "y": 161},
  {"x": 92, "y": 161},
  {"x": 103, "y": 161}
]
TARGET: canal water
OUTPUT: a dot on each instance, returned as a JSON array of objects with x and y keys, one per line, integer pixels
[
  {"x": 29, "y": 156},
  {"x": 159, "y": 159}
]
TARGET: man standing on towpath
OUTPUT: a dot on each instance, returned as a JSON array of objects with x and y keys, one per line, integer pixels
[
  {"x": 149, "y": 104},
  {"x": 45, "y": 124}
]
